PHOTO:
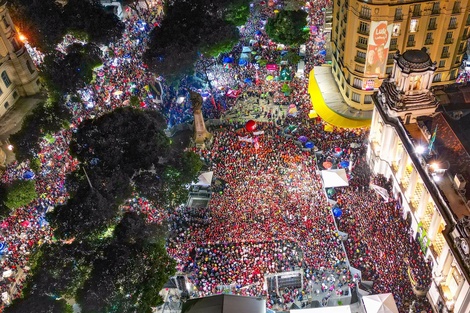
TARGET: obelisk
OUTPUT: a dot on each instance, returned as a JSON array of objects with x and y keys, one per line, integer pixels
[{"x": 201, "y": 135}]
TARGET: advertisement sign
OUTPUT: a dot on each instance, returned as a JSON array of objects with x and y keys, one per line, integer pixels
[{"x": 377, "y": 49}]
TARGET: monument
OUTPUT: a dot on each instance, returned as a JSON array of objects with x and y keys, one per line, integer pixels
[{"x": 201, "y": 135}]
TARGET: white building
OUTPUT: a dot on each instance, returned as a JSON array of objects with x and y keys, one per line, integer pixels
[
  {"x": 434, "y": 199},
  {"x": 18, "y": 74}
]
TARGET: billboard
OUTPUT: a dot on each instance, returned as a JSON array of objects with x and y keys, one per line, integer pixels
[{"x": 377, "y": 48}]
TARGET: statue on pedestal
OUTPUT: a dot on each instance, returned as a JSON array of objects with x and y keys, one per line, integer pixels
[{"x": 201, "y": 135}]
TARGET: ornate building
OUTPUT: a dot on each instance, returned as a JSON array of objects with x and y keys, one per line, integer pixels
[
  {"x": 365, "y": 36},
  {"x": 18, "y": 74},
  {"x": 412, "y": 144}
]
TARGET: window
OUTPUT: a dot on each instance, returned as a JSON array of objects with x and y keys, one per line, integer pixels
[
  {"x": 5, "y": 22},
  {"x": 357, "y": 82},
  {"x": 413, "y": 26},
  {"x": 363, "y": 40},
  {"x": 363, "y": 28},
  {"x": 393, "y": 43},
  {"x": 396, "y": 29},
  {"x": 388, "y": 70},
  {"x": 30, "y": 68},
  {"x": 365, "y": 12},
  {"x": 361, "y": 54},
  {"x": 435, "y": 8},
  {"x": 453, "y": 75},
  {"x": 6, "y": 105},
  {"x": 356, "y": 97},
  {"x": 6, "y": 79},
  {"x": 442, "y": 63},
  {"x": 411, "y": 41},
  {"x": 432, "y": 23},
  {"x": 428, "y": 40},
  {"x": 453, "y": 23},
  {"x": 456, "y": 8},
  {"x": 15, "y": 94},
  {"x": 1, "y": 92},
  {"x": 367, "y": 99},
  {"x": 398, "y": 14},
  {"x": 445, "y": 52},
  {"x": 437, "y": 78},
  {"x": 468, "y": 20},
  {"x": 15, "y": 44},
  {"x": 417, "y": 10}
]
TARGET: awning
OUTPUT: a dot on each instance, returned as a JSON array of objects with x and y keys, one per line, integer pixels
[
  {"x": 327, "y": 114},
  {"x": 334, "y": 178},
  {"x": 381, "y": 303}
]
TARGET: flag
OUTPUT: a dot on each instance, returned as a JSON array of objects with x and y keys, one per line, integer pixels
[
  {"x": 431, "y": 141},
  {"x": 380, "y": 191}
]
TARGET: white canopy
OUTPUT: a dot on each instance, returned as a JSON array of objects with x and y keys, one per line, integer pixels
[
  {"x": 334, "y": 178},
  {"x": 381, "y": 303},
  {"x": 329, "y": 309},
  {"x": 205, "y": 179}
]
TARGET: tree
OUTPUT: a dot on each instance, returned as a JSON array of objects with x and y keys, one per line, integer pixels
[
  {"x": 41, "y": 304},
  {"x": 132, "y": 268},
  {"x": 286, "y": 27},
  {"x": 90, "y": 17},
  {"x": 20, "y": 193},
  {"x": 69, "y": 72},
  {"x": 48, "y": 117},
  {"x": 126, "y": 140},
  {"x": 186, "y": 31},
  {"x": 34, "y": 19},
  {"x": 190, "y": 164},
  {"x": 237, "y": 12}
]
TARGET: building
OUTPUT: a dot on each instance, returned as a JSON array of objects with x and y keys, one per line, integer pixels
[
  {"x": 413, "y": 144},
  {"x": 18, "y": 74},
  {"x": 366, "y": 35}
]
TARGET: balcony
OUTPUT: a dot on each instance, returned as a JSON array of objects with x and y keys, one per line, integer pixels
[
  {"x": 452, "y": 26},
  {"x": 360, "y": 60},
  {"x": 411, "y": 43},
  {"x": 393, "y": 47},
  {"x": 416, "y": 13},
  {"x": 364, "y": 16},
  {"x": 428, "y": 41},
  {"x": 361, "y": 45},
  {"x": 445, "y": 55},
  {"x": 363, "y": 31},
  {"x": 456, "y": 11},
  {"x": 449, "y": 41},
  {"x": 389, "y": 61},
  {"x": 435, "y": 11},
  {"x": 398, "y": 17},
  {"x": 432, "y": 26}
]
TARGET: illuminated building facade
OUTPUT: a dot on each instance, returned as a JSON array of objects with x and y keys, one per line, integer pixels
[
  {"x": 366, "y": 34},
  {"x": 18, "y": 73},
  {"x": 406, "y": 132}
]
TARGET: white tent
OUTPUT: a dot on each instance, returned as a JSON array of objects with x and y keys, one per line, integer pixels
[
  {"x": 205, "y": 179},
  {"x": 381, "y": 303},
  {"x": 329, "y": 309},
  {"x": 334, "y": 178}
]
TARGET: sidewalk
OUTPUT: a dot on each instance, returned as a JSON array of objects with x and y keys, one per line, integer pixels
[{"x": 11, "y": 122}]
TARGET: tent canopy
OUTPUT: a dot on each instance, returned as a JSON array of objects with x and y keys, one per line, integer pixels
[
  {"x": 381, "y": 303},
  {"x": 205, "y": 179},
  {"x": 330, "y": 309},
  {"x": 334, "y": 178}
]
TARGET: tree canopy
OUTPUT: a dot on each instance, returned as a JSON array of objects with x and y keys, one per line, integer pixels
[
  {"x": 187, "y": 30},
  {"x": 20, "y": 193},
  {"x": 35, "y": 17},
  {"x": 287, "y": 27},
  {"x": 48, "y": 117},
  {"x": 68, "y": 72}
]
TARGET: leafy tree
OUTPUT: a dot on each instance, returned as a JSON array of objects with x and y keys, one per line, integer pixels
[
  {"x": 48, "y": 117},
  {"x": 73, "y": 70},
  {"x": 185, "y": 33},
  {"x": 84, "y": 215},
  {"x": 125, "y": 140},
  {"x": 132, "y": 268},
  {"x": 20, "y": 193},
  {"x": 90, "y": 17},
  {"x": 190, "y": 165},
  {"x": 286, "y": 27},
  {"x": 41, "y": 304},
  {"x": 34, "y": 19},
  {"x": 293, "y": 5},
  {"x": 237, "y": 12}
]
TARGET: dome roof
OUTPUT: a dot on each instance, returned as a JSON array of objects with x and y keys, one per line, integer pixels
[{"x": 415, "y": 61}]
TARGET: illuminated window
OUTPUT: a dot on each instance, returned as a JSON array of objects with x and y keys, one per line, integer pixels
[
  {"x": 414, "y": 26},
  {"x": 396, "y": 29}
]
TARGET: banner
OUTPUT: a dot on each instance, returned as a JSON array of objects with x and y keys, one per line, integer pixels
[
  {"x": 245, "y": 139},
  {"x": 380, "y": 191},
  {"x": 260, "y": 132},
  {"x": 377, "y": 49}
]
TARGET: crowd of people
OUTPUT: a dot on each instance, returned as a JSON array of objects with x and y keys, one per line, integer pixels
[{"x": 272, "y": 216}]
